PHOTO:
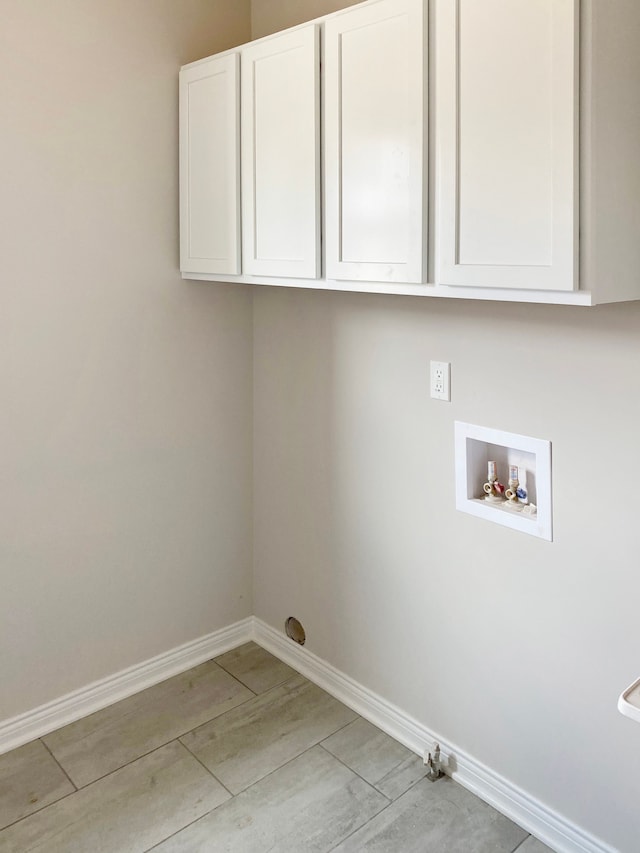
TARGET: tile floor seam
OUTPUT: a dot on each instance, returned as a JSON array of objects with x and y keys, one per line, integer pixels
[
  {"x": 258, "y": 782},
  {"x": 358, "y": 828},
  {"x": 182, "y": 829},
  {"x": 173, "y": 835},
  {"x": 286, "y": 681},
  {"x": 116, "y": 769},
  {"x": 382, "y": 778},
  {"x": 286, "y": 763},
  {"x": 346, "y": 725},
  {"x": 128, "y": 713},
  {"x": 407, "y": 789},
  {"x": 210, "y": 772},
  {"x": 175, "y": 738},
  {"x": 344, "y": 764},
  {"x": 271, "y": 773},
  {"x": 90, "y": 784},
  {"x": 35, "y": 812},
  {"x": 244, "y": 701},
  {"x": 390, "y": 805},
  {"x": 46, "y": 805},
  {"x": 41, "y": 809},
  {"x": 237, "y": 678},
  {"x": 129, "y": 763},
  {"x": 60, "y": 766},
  {"x": 234, "y": 676},
  {"x": 262, "y": 696}
]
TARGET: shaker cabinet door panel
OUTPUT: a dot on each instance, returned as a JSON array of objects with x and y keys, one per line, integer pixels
[
  {"x": 506, "y": 143},
  {"x": 375, "y": 84},
  {"x": 210, "y": 167},
  {"x": 281, "y": 155}
]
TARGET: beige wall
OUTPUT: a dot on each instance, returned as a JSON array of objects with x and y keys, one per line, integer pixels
[
  {"x": 269, "y": 16},
  {"x": 125, "y": 393},
  {"x": 513, "y": 648},
  {"x": 125, "y": 429}
]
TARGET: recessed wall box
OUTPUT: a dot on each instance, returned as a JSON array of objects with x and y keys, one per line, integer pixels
[{"x": 528, "y": 458}]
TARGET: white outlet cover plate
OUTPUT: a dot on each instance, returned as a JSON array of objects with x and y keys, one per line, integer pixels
[{"x": 442, "y": 368}]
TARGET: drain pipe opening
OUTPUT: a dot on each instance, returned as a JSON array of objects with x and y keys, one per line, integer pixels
[{"x": 294, "y": 630}]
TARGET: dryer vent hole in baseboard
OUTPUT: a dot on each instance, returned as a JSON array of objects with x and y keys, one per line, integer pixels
[{"x": 294, "y": 630}]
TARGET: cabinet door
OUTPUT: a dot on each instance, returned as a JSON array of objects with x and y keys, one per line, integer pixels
[
  {"x": 375, "y": 78},
  {"x": 506, "y": 143},
  {"x": 281, "y": 155},
  {"x": 210, "y": 166}
]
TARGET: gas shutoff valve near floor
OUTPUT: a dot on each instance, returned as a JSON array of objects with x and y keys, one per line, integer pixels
[{"x": 433, "y": 763}]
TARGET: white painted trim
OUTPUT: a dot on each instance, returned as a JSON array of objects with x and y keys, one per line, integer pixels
[
  {"x": 496, "y": 294},
  {"x": 100, "y": 694},
  {"x": 550, "y": 827}
]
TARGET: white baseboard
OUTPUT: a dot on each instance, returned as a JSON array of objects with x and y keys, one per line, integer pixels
[
  {"x": 100, "y": 694},
  {"x": 545, "y": 824},
  {"x": 550, "y": 827}
]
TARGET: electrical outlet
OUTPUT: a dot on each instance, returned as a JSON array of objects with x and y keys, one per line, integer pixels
[{"x": 441, "y": 380}]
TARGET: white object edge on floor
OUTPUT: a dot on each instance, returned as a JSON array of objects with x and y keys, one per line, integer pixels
[
  {"x": 550, "y": 827},
  {"x": 19, "y": 730},
  {"x": 629, "y": 701}
]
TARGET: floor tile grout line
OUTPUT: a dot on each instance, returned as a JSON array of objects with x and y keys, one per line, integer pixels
[
  {"x": 518, "y": 846},
  {"x": 174, "y": 738},
  {"x": 46, "y": 805},
  {"x": 37, "y": 811},
  {"x": 264, "y": 696},
  {"x": 257, "y": 782},
  {"x": 232, "y": 795},
  {"x": 95, "y": 781},
  {"x": 286, "y": 763},
  {"x": 318, "y": 744},
  {"x": 101, "y": 778},
  {"x": 255, "y": 693},
  {"x": 75, "y": 787},
  {"x": 409, "y": 788},
  {"x": 160, "y": 745},
  {"x": 237, "y": 677},
  {"x": 355, "y": 773},
  {"x": 187, "y": 825},
  {"x": 374, "y": 785},
  {"x": 210, "y": 772},
  {"x": 342, "y": 728},
  {"x": 395, "y": 770},
  {"x": 358, "y": 828},
  {"x": 42, "y": 808},
  {"x": 231, "y": 675},
  {"x": 177, "y": 739}
]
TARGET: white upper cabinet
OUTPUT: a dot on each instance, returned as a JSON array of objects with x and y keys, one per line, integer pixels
[
  {"x": 210, "y": 166},
  {"x": 280, "y": 128},
  {"x": 374, "y": 108},
  {"x": 533, "y": 152},
  {"x": 507, "y": 143}
]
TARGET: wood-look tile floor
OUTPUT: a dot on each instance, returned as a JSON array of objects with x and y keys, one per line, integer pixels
[{"x": 239, "y": 754}]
